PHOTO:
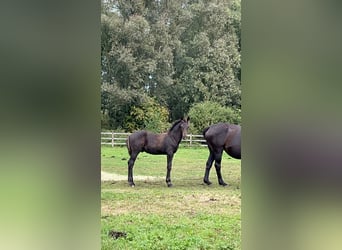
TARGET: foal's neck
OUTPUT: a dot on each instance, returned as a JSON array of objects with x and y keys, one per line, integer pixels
[{"x": 176, "y": 134}]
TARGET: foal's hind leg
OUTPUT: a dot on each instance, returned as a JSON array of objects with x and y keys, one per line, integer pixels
[
  {"x": 208, "y": 167},
  {"x": 130, "y": 168},
  {"x": 218, "y": 159}
]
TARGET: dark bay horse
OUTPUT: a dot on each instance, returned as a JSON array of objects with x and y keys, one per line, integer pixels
[
  {"x": 219, "y": 137},
  {"x": 166, "y": 143}
]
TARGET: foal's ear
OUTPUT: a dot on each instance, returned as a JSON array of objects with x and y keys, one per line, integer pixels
[{"x": 186, "y": 119}]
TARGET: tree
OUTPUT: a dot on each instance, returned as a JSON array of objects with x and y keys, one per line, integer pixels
[
  {"x": 178, "y": 53},
  {"x": 116, "y": 103}
]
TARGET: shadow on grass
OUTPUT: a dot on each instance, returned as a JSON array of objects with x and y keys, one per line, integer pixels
[{"x": 177, "y": 184}]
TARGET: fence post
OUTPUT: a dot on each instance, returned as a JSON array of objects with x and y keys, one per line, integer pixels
[
  {"x": 112, "y": 139},
  {"x": 190, "y": 140}
]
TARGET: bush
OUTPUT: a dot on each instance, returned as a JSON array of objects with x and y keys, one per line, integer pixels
[
  {"x": 207, "y": 113},
  {"x": 150, "y": 116}
]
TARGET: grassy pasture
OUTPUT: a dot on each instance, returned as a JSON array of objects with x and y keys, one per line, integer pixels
[{"x": 190, "y": 215}]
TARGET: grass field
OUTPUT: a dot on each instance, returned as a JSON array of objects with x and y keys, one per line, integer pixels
[{"x": 190, "y": 215}]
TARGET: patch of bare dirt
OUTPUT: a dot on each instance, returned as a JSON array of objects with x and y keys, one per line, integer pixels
[{"x": 105, "y": 176}]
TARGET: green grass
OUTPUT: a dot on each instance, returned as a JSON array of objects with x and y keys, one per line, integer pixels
[
  {"x": 188, "y": 163},
  {"x": 190, "y": 215}
]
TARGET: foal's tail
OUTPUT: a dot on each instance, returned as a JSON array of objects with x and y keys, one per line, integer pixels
[{"x": 128, "y": 146}]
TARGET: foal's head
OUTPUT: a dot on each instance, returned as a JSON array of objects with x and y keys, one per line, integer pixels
[
  {"x": 181, "y": 125},
  {"x": 184, "y": 125}
]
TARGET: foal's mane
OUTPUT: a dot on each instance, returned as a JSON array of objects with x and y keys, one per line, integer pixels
[{"x": 175, "y": 124}]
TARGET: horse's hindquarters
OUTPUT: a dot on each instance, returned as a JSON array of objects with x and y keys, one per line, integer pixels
[{"x": 234, "y": 151}]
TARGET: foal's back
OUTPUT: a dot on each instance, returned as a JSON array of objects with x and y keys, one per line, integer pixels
[{"x": 145, "y": 141}]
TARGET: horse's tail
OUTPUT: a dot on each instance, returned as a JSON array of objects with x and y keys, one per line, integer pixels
[
  {"x": 128, "y": 146},
  {"x": 205, "y": 131}
]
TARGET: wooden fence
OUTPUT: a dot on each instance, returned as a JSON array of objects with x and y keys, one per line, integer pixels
[{"x": 119, "y": 139}]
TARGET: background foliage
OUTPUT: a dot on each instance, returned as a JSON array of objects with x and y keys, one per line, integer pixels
[
  {"x": 160, "y": 58},
  {"x": 206, "y": 113}
]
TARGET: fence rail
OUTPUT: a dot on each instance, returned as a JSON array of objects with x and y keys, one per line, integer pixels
[{"x": 119, "y": 139}]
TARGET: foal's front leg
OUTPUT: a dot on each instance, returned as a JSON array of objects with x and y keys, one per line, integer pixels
[{"x": 169, "y": 166}]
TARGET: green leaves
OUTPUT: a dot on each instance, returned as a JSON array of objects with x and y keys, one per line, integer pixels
[
  {"x": 150, "y": 116},
  {"x": 178, "y": 52},
  {"x": 207, "y": 113}
]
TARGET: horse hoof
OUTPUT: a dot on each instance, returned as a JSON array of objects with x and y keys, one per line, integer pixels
[
  {"x": 169, "y": 184},
  {"x": 207, "y": 182},
  {"x": 131, "y": 185},
  {"x": 223, "y": 184}
]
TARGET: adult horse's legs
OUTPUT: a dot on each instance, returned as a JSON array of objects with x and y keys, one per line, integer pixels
[
  {"x": 169, "y": 166},
  {"x": 208, "y": 167},
  {"x": 130, "y": 168},
  {"x": 218, "y": 159}
]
